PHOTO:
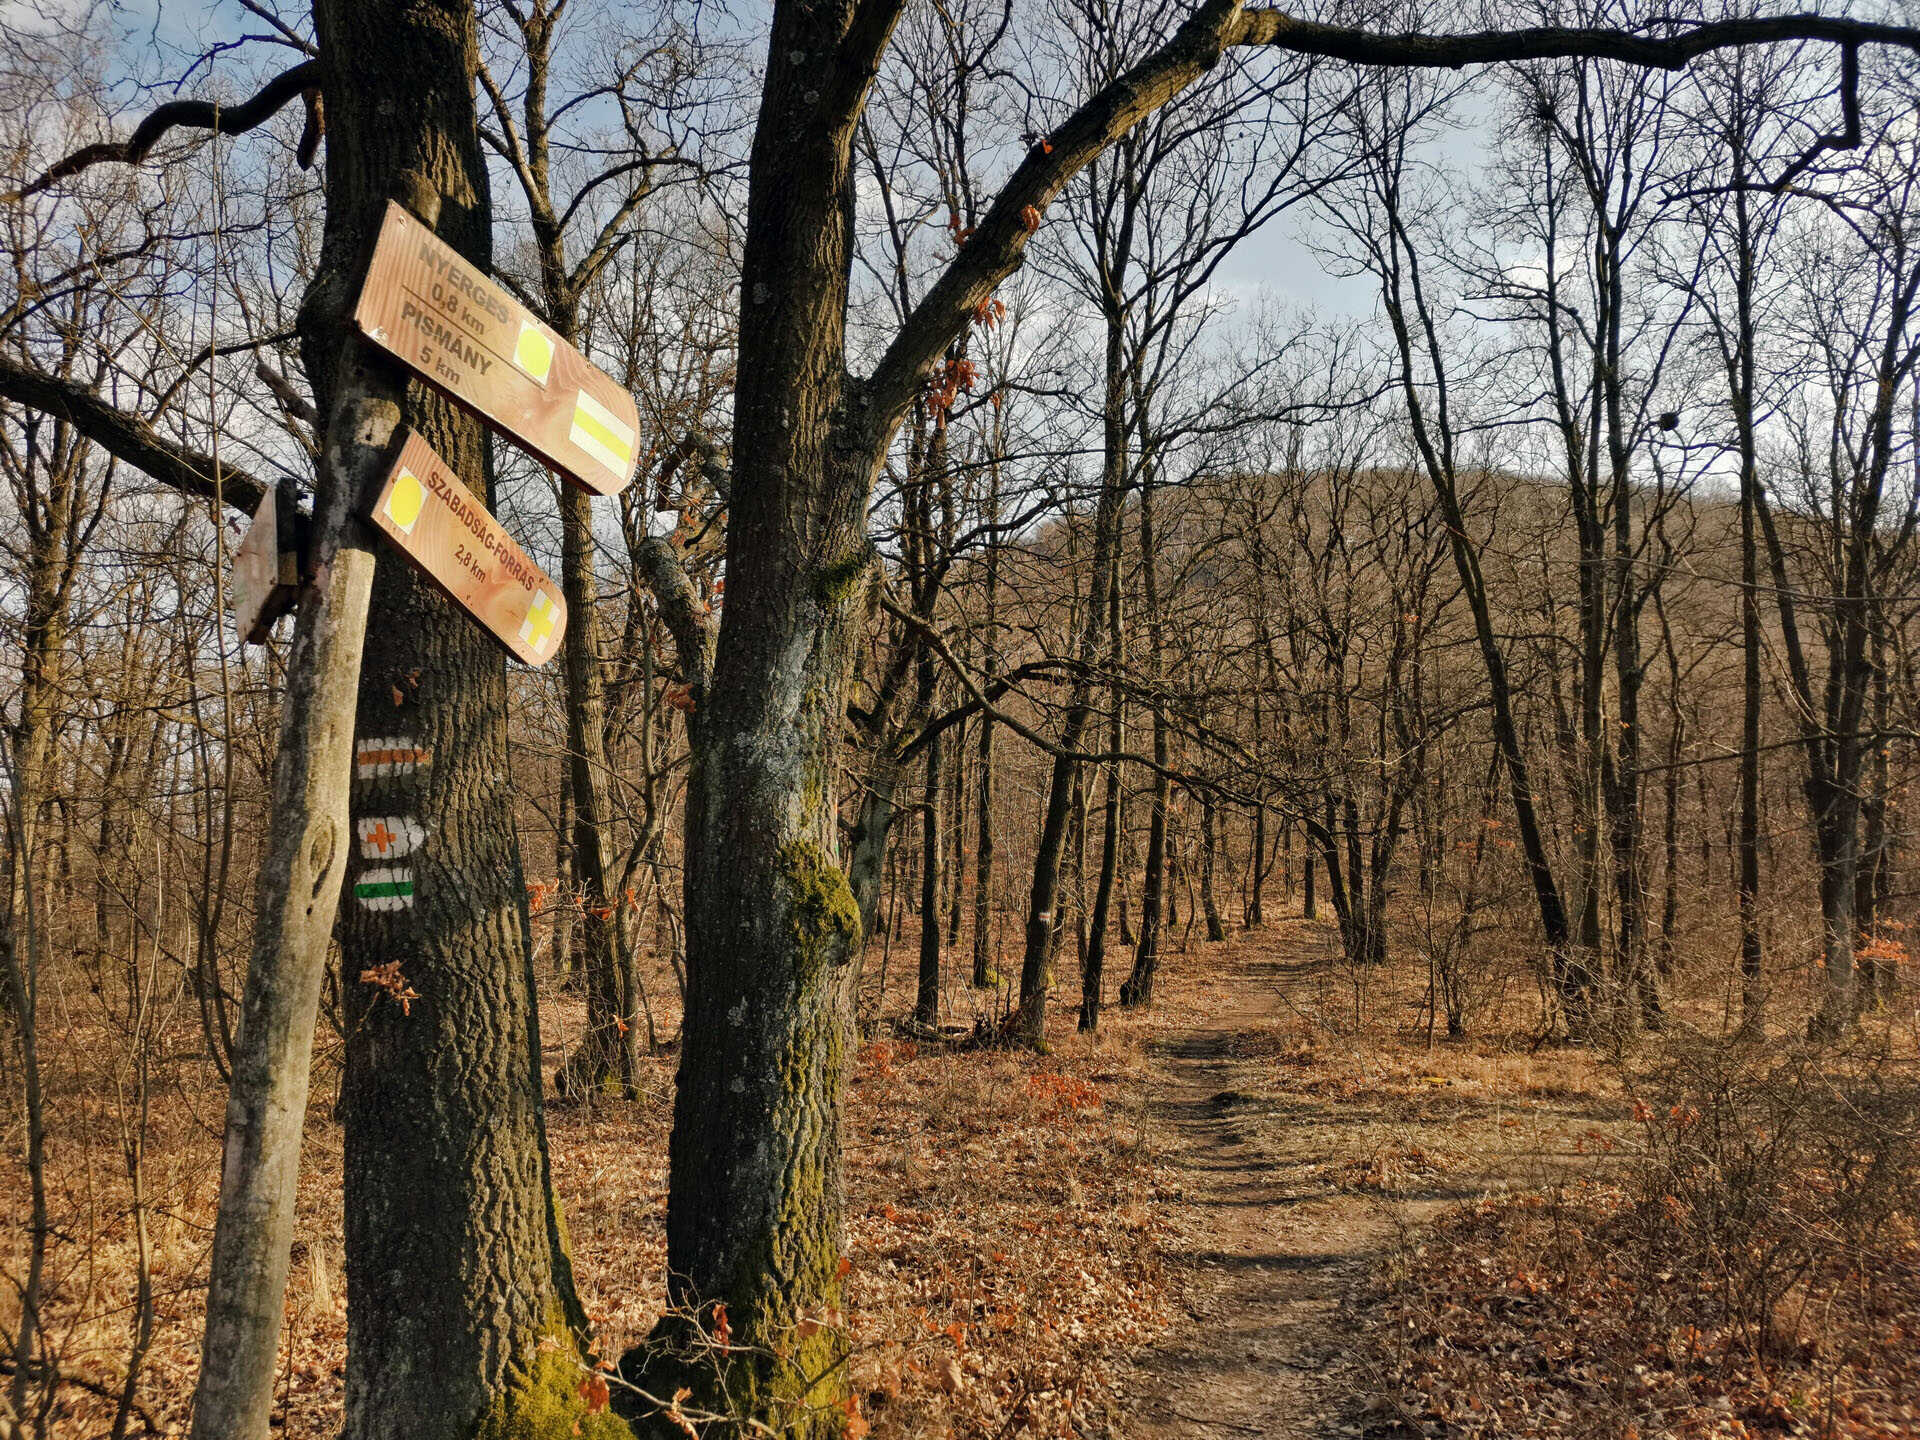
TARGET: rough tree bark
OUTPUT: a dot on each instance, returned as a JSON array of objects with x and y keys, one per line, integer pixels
[{"x": 461, "y": 1316}]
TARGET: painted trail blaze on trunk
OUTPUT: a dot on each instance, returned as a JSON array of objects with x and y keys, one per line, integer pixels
[{"x": 462, "y": 1318}]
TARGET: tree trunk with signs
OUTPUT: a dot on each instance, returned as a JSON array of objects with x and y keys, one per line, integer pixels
[{"x": 458, "y": 1278}]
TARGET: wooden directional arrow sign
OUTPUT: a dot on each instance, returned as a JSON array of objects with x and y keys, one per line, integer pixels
[
  {"x": 266, "y": 577},
  {"x": 452, "y": 540},
  {"x": 468, "y": 337}
]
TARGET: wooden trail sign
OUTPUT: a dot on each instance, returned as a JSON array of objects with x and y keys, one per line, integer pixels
[
  {"x": 266, "y": 576},
  {"x": 466, "y": 336},
  {"x": 451, "y": 539}
]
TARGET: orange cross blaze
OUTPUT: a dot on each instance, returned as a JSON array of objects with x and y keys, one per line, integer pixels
[{"x": 380, "y": 837}]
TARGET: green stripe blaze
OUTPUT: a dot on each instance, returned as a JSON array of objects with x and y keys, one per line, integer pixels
[{"x": 379, "y": 889}]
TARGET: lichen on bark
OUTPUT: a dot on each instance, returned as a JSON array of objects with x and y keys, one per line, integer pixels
[{"x": 841, "y": 581}]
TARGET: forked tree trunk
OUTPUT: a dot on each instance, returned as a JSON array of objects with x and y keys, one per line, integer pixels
[
  {"x": 1209, "y": 841},
  {"x": 608, "y": 1053},
  {"x": 1138, "y": 987},
  {"x": 1092, "y": 971},
  {"x": 754, "y": 1214}
]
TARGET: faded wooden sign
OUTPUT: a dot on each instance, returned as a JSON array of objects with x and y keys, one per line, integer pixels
[
  {"x": 465, "y": 335},
  {"x": 452, "y": 540},
  {"x": 266, "y": 577}
]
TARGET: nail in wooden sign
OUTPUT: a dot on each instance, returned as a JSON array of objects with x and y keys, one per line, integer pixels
[
  {"x": 266, "y": 578},
  {"x": 451, "y": 539},
  {"x": 466, "y": 336}
]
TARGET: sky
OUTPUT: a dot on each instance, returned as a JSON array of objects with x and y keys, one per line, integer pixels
[{"x": 1280, "y": 260}]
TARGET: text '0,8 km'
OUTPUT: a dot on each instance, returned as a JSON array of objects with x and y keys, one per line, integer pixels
[
  {"x": 463, "y": 334},
  {"x": 450, "y": 537}
]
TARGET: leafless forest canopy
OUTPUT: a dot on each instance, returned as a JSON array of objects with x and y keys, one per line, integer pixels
[{"x": 1519, "y": 651}]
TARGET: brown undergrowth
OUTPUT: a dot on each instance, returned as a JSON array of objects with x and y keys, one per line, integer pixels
[
  {"x": 1741, "y": 1259},
  {"x": 1001, "y": 1237},
  {"x": 1011, "y": 1219}
]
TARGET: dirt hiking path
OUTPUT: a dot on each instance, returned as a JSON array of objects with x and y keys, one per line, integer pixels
[
  {"x": 1280, "y": 1212},
  {"x": 1267, "y": 1253}
]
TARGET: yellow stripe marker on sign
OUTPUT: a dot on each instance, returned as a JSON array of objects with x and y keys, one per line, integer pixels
[{"x": 598, "y": 431}]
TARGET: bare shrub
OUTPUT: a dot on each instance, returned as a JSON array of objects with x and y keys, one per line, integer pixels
[{"x": 1774, "y": 1182}]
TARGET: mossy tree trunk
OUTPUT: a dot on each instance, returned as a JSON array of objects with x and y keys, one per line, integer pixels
[
  {"x": 753, "y": 1219},
  {"x": 609, "y": 1052}
]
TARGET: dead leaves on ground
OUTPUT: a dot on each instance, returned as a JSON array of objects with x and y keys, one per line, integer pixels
[
  {"x": 1546, "y": 1315},
  {"x": 1005, "y": 1247}
]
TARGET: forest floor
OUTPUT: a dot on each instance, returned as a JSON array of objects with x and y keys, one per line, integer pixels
[
  {"x": 1305, "y": 1157},
  {"x": 1273, "y": 1203}
]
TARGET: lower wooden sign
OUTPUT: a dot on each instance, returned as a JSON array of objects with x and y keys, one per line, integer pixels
[{"x": 436, "y": 522}]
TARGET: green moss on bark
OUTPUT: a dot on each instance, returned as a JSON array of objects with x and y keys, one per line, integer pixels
[
  {"x": 547, "y": 1405},
  {"x": 822, "y": 917},
  {"x": 840, "y": 581}
]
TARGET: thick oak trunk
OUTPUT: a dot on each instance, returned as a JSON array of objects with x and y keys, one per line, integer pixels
[
  {"x": 754, "y": 1215},
  {"x": 461, "y": 1314}
]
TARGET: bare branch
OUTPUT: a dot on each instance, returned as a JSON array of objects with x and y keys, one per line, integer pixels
[
  {"x": 687, "y": 617},
  {"x": 196, "y": 114},
  {"x": 291, "y": 400},
  {"x": 994, "y": 250},
  {"x": 1553, "y": 42},
  {"x": 130, "y": 438},
  {"x": 996, "y": 247},
  {"x": 1849, "y": 136}
]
